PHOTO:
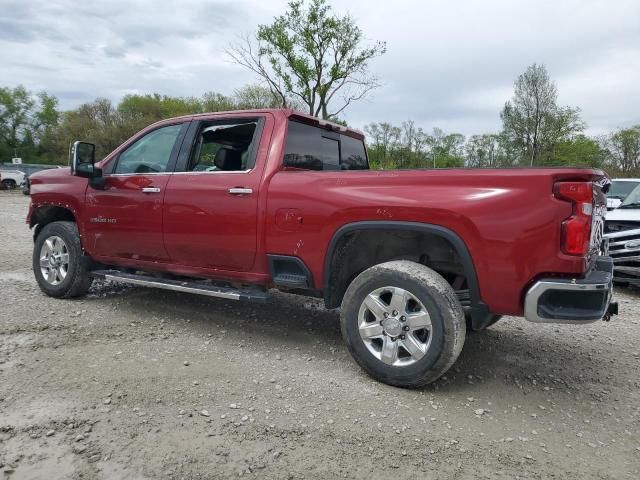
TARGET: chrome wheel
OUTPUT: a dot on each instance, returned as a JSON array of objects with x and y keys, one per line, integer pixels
[
  {"x": 395, "y": 326},
  {"x": 54, "y": 260}
]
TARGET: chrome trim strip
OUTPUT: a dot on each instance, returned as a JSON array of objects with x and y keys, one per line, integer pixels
[
  {"x": 539, "y": 288},
  {"x": 193, "y": 172},
  {"x": 634, "y": 258},
  {"x": 623, "y": 233},
  {"x": 135, "y": 174},
  {"x": 177, "y": 288},
  {"x": 175, "y": 173}
]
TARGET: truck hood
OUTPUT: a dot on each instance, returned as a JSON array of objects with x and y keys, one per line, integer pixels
[{"x": 625, "y": 214}]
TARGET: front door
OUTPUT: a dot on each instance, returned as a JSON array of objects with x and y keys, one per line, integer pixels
[
  {"x": 211, "y": 206},
  {"x": 124, "y": 220}
]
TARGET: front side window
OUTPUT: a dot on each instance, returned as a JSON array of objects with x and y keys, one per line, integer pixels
[
  {"x": 312, "y": 148},
  {"x": 149, "y": 154},
  {"x": 223, "y": 147}
]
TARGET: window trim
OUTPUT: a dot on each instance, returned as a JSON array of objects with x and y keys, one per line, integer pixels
[
  {"x": 173, "y": 157},
  {"x": 189, "y": 144}
]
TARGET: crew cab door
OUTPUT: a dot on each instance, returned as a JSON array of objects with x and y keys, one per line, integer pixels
[
  {"x": 124, "y": 220},
  {"x": 211, "y": 203}
]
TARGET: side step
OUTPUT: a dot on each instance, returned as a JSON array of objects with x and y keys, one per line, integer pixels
[
  {"x": 290, "y": 280},
  {"x": 200, "y": 287}
]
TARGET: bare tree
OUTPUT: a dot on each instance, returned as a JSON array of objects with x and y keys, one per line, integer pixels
[{"x": 310, "y": 54}]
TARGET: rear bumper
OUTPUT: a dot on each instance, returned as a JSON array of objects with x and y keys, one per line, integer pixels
[{"x": 557, "y": 300}]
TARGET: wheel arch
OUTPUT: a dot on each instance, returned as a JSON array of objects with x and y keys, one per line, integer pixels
[
  {"x": 335, "y": 287},
  {"x": 45, "y": 214}
]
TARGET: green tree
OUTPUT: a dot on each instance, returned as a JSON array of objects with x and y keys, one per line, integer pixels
[
  {"x": 532, "y": 119},
  {"x": 16, "y": 110},
  {"x": 445, "y": 150},
  {"x": 384, "y": 140},
  {"x": 312, "y": 55},
  {"x": 579, "y": 151},
  {"x": 623, "y": 148}
]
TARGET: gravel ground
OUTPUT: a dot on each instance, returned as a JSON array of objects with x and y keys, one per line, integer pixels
[{"x": 140, "y": 383}]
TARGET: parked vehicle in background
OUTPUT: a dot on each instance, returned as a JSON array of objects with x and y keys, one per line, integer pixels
[
  {"x": 619, "y": 189},
  {"x": 10, "y": 179},
  {"x": 622, "y": 228},
  {"x": 232, "y": 204}
]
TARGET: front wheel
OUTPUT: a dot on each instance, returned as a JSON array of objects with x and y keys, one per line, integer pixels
[
  {"x": 59, "y": 265},
  {"x": 403, "y": 323}
]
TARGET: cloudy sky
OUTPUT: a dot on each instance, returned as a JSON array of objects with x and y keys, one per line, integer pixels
[{"x": 449, "y": 64}]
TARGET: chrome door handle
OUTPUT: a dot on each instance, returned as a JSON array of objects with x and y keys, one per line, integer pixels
[
  {"x": 150, "y": 190},
  {"x": 240, "y": 191}
]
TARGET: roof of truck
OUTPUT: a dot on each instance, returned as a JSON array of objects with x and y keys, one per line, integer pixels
[{"x": 285, "y": 112}]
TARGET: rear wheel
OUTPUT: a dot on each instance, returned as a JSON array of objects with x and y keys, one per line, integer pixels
[
  {"x": 9, "y": 184},
  {"x": 403, "y": 323},
  {"x": 59, "y": 265}
]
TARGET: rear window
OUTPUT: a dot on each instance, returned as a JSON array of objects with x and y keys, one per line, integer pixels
[{"x": 312, "y": 148}]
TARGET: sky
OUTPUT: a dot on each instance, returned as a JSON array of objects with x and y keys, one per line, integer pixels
[{"x": 449, "y": 64}]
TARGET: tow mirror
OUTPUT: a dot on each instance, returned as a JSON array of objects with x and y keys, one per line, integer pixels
[{"x": 83, "y": 159}]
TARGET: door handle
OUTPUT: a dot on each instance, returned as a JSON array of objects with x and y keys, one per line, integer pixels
[
  {"x": 150, "y": 190},
  {"x": 240, "y": 191}
]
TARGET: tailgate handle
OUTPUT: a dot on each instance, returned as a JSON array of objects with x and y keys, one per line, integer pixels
[
  {"x": 150, "y": 190},
  {"x": 240, "y": 191}
]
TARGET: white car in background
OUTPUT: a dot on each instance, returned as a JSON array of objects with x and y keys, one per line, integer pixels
[
  {"x": 619, "y": 189},
  {"x": 622, "y": 228},
  {"x": 10, "y": 179}
]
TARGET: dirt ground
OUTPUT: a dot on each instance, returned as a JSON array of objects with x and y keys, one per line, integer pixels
[{"x": 135, "y": 383}]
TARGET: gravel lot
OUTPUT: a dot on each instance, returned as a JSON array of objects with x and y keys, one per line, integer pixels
[{"x": 140, "y": 383}]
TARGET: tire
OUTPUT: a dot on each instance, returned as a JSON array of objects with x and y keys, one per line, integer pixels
[
  {"x": 76, "y": 279},
  {"x": 9, "y": 184},
  {"x": 494, "y": 319},
  {"x": 428, "y": 293}
]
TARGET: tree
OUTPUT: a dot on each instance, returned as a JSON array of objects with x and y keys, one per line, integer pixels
[
  {"x": 532, "y": 119},
  {"x": 579, "y": 151},
  {"x": 16, "y": 107},
  {"x": 623, "y": 147},
  {"x": 312, "y": 55},
  {"x": 383, "y": 145},
  {"x": 445, "y": 150}
]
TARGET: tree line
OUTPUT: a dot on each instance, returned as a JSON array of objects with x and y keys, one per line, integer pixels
[
  {"x": 536, "y": 132},
  {"x": 33, "y": 127}
]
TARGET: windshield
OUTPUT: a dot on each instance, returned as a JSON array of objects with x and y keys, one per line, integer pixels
[
  {"x": 620, "y": 189},
  {"x": 632, "y": 200}
]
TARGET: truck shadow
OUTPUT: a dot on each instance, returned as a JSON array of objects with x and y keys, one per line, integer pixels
[{"x": 513, "y": 352}]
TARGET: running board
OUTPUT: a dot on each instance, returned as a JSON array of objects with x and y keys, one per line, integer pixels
[{"x": 200, "y": 287}]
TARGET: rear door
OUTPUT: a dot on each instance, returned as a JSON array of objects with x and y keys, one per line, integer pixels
[
  {"x": 124, "y": 220},
  {"x": 211, "y": 204}
]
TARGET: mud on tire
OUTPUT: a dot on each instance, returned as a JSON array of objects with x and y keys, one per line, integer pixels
[{"x": 437, "y": 346}]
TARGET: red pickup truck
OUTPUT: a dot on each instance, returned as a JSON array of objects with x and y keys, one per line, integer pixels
[{"x": 234, "y": 204}]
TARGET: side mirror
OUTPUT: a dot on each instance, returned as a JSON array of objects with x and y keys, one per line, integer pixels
[{"x": 83, "y": 159}]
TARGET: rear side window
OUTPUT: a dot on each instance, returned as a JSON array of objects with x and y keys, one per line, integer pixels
[
  {"x": 312, "y": 148},
  {"x": 352, "y": 154}
]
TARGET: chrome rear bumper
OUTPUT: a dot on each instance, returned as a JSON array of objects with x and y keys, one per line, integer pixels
[{"x": 557, "y": 300}]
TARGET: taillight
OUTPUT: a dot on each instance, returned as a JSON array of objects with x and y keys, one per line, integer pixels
[{"x": 576, "y": 230}]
